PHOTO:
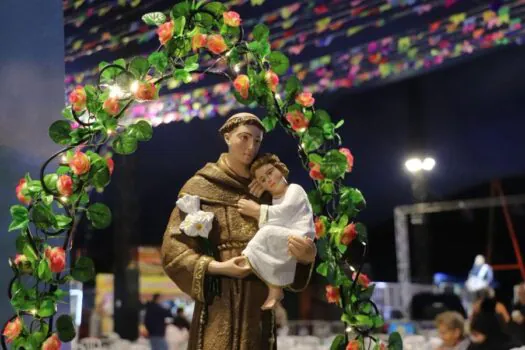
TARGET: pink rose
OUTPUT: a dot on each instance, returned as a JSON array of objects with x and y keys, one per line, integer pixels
[
  {"x": 332, "y": 294},
  {"x": 65, "y": 185},
  {"x": 216, "y": 44},
  {"x": 315, "y": 171},
  {"x": 198, "y": 41},
  {"x": 57, "y": 259},
  {"x": 320, "y": 228},
  {"x": 349, "y": 234},
  {"x": 22, "y": 184},
  {"x": 22, "y": 263},
  {"x": 13, "y": 329},
  {"x": 146, "y": 91},
  {"x": 363, "y": 280},
  {"x": 297, "y": 120},
  {"x": 305, "y": 99},
  {"x": 78, "y": 98},
  {"x": 165, "y": 32},
  {"x": 349, "y": 158},
  {"x": 232, "y": 18},
  {"x": 111, "y": 106},
  {"x": 79, "y": 163},
  {"x": 52, "y": 343},
  {"x": 272, "y": 80},
  {"x": 111, "y": 165},
  {"x": 242, "y": 85}
]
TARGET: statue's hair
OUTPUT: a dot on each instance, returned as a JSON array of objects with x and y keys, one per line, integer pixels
[
  {"x": 239, "y": 119},
  {"x": 272, "y": 159}
]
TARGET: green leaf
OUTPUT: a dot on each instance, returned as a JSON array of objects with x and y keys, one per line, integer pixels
[
  {"x": 191, "y": 63},
  {"x": 338, "y": 343},
  {"x": 139, "y": 67},
  {"x": 119, "y": 62},
  {"x": 312, "y": 139},
  {"x": 43, "y": 216},
  {"x": 100, "y": 215},
  {"x": 378, "y": 321},
  {"x": 101, "y": 176},
  {"x": 364, "y": 320},
  {"x": 395, "y": 342},
  {"x": 63, "y": 221},
  {"x": 47, "y": 308},
  {"x": 182, "y": 75},
  {"x": 29, "y": 252},
  {"x": 362, "y": 233},
  {"x": 216, "y": 8},
  {"x": 323, "y": 248},
  {"x": 141, "y": 131},
  {"x": 322, "y": 269},
  {"x": 179, "y": 25},
  {"x": 50, "y": 180},
  {"x": 269, "y": 123},
  {"x": 315, "y": 201},
  {"x": 62, "y": 170},
  {"x": 154, "y": 18},
  {"x": 92, "y": 102},
  {"x": 67, "y": 113},
  {"x": 334, "y": 164},
  {"x": 159, "y": 61},
  {"x": 367, "y": 293},
  {"x": 65, "y": 328},
  {"x": 44, "y": 271},
  {"x": 292, "y": 87},
  {"x": 315, "y": 158},
  {"x": 124, "y": 144},
  {"x": 84, "y": 269},
  {"x": 36, "y": 339},
  {"x": 20, "y": 216},
  {"x": 339, "y": 124},
  {"x": 60, "y": 294},
  {"x": 279, "y": 62},
  {"x": 180, "y": 10},
  {"x": 261, "y": 32},
  {"x": 59, "y": 132},
  {"x": 327, "y": 186}
]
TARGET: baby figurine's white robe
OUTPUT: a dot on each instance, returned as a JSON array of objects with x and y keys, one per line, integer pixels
[{"x": 267, "y": 251}]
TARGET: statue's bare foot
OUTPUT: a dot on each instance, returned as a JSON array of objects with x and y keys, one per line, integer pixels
[{"x": 275, "y": 295}]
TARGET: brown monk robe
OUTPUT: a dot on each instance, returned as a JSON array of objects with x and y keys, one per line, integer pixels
[{"x": 234, "y": 320}]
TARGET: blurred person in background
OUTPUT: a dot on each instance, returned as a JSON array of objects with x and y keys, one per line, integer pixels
[
  {"x": 451, "y": 330},
  {"x": 155, "y": 321},
  {"x": 488, "y": 329},
  {"x": 517, "y": 324}
]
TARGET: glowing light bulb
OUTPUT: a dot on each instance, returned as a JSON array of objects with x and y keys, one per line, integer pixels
[
  {"x": 64, "y": 199},
  {"x": 237, "y": 68},
  {"x": 413, "y": 165},
  {"x": 115, "y": 91},
  {"x": 63, "y": 159}
]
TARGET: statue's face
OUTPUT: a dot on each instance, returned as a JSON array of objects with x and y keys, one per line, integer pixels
[
  {"x": 244, "y": 143},
  {"x": 271, "y": 179}
]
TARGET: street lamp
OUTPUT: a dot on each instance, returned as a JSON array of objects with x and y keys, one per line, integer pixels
[{"x": 415, "y": 165}]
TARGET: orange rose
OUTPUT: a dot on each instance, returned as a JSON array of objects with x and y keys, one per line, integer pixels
[
  {"x": 349, "y": 158},
  {"x": 363, "y": 280},
  {"x": 57, "y": 259},
  {"x": 297, "y": 120},
  {"x": 349, "y": 234},
  {"x": 79, "y": 163},
  {"x": 198, "y": 41},
  {"x": 165, "y": 32},
  {"x": 242, "y": 85},
  {"x": 13, "y": 329},
  {"x": 78, "y": 98},
  {"x": 332, "y": 294},
  {"x": 52, "y": 343},
  {"x": 22, "y": 184},
  {"x": 353, "y": 345},
  {"x": 272, "y": 80},
  {"x": 216, "y": 44},
  {"x": 320, "y": 228},
  {"x": 232, "y": 18},
  {"x": 146, "y": 91},
  {"x": 111, "y": 165},
  {"x": 112, "y": 106},
  {"x": 65, "y": 185},
  {"x": 305, "y": 99},
  {"x": 315, "y": 171}
]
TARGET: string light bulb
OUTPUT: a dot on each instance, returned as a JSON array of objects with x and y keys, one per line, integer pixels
[{"x": 134, "y": 87}]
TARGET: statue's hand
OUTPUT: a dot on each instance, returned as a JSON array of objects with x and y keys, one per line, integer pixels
[
  {"x": 302, "y": 248},
  {"x": 236, "y": 267},
  {"x": 249, "y": 208},
  {"x": 256, "y": 189}
]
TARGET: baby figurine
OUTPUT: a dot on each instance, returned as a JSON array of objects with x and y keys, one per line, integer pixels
[{"x": 290, "y": 214}]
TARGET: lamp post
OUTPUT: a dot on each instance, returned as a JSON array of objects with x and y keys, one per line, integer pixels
[{"x": 419, "y": 168}]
